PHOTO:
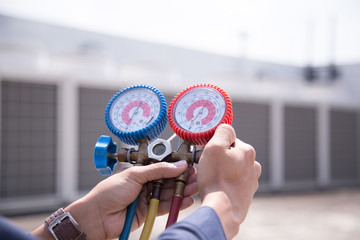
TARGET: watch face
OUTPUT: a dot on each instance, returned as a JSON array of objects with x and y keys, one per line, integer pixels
[
  {"x": 199, "y": 109},
  {"x": 134, "y": 109}
]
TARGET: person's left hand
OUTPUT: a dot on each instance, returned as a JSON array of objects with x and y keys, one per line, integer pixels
[{"x": 101, "y": 213}]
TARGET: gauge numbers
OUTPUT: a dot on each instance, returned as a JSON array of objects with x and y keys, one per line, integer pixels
[
  {"x": 134, "y": 109},
  {"x": 200, "y": 109}
]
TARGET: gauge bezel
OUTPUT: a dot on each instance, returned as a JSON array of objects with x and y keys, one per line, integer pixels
[
  {"x": 187, "y": 96},
  {"x": 151, "y": 131},
  {"x": 147, "y": 97},
  {"x": 199, "y": 138}
]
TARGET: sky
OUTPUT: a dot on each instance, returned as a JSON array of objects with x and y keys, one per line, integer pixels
[{"x": 297, "y": 32}]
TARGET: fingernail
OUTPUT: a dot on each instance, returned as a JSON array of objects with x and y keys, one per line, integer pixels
[{"x": 180, "y": 164}]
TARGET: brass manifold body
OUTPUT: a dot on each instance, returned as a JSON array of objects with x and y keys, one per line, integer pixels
[
  {"x": 146, "y": 155},
  {"x": 141, "y": 155}
]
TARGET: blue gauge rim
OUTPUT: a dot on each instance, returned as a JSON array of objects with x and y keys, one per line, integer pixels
[{"x": 151, "y": 131}]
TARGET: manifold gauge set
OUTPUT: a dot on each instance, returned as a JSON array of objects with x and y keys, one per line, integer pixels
[{"x": 137, "y": 115}]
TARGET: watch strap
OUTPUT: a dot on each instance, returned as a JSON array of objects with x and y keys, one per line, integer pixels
[{"x": 63, "y": 226}]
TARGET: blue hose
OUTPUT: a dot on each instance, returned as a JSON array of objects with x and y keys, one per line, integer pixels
[{"x": 130, "y": 213}]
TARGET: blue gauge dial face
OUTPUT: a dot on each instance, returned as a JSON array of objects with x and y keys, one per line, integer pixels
[
  {"x": 199, "y": 110},
  {"x": 134, "y": 109}
]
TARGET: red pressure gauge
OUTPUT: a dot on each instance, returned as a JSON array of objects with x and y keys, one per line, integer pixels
[{"x": 195, "y": 112}]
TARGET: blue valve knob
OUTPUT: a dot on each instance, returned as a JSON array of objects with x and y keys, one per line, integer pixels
[{"x": 104, "y": 162}]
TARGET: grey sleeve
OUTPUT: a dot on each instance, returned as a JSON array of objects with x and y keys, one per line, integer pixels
[{"x": 203, "y": 224}]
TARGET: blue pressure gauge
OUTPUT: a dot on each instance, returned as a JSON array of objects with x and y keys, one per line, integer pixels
[{"x": 135, "y": 113}]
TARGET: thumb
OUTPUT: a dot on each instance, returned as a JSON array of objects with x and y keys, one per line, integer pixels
[
  {"x": 224, "y": 136},
  {"x": 159, "y": 170}
]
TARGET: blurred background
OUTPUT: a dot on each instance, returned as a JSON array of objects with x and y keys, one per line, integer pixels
[{"x": 291, "y": 69}]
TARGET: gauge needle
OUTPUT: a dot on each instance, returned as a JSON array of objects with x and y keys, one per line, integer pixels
[
  {"x": 199, "y": 113},
  {"x": 135, "y": 112},
  {"x": 149, "y": 121}
]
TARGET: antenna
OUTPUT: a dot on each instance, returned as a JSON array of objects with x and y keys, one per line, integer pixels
[
  {"x": 332, "y": 70},
  {"x": 310, "y": 41},
  {"x": 310, "y": 73},
  {"x": 243, "y": 44},
  {"x": 332, "y": 38}
]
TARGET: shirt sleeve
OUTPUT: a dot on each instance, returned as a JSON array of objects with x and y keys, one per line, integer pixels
[
  {"x": 203, "y": 224},
  {"x": 10, "y": 232}
]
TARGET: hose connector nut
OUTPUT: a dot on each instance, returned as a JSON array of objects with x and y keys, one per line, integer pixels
[{"x": 159, "y": 149}]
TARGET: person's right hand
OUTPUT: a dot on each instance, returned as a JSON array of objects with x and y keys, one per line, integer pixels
[{"x": 228, "y": 178}]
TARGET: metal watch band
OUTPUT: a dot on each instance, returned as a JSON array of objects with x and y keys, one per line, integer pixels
[{"x": 63, "y": 226}]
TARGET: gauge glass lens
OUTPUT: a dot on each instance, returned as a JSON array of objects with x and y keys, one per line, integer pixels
[
  {"x": 200, "y": 109},
  {"x": 134, "y": 109}
]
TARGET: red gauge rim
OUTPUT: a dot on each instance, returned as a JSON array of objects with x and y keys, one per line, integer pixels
[{"x": 199, "y": 138}]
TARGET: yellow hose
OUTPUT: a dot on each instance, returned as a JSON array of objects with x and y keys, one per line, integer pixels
[{"x": 150, "y": 219}]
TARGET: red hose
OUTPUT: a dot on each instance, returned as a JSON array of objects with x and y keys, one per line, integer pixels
[{"x": 174, "y": 210}]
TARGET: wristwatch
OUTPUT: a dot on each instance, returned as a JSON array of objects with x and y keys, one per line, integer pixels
[{"x": 63, "y": 226}]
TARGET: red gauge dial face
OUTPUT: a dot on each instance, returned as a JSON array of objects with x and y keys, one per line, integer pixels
[
  {"x": 134, "y": 109},
  {"x": 199, "y": 109},
  {"x": 200, "y": 112}
]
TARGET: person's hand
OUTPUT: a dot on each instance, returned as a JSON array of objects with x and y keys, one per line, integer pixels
[
  {"x": 228, "y": 178},
  {"x": 101, "y": 213},
  {"x": 109, "y": 199}
]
